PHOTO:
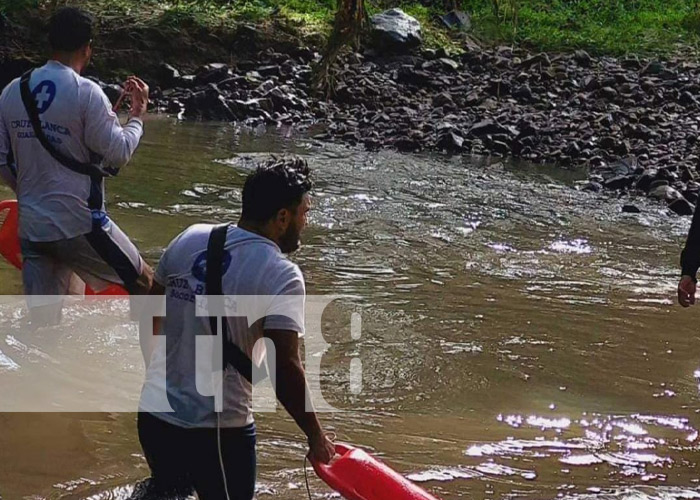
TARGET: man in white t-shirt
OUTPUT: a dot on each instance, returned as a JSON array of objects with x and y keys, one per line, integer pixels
[
  {"x": 194, "y": 447},
  {"x": 63, "y": 226}
]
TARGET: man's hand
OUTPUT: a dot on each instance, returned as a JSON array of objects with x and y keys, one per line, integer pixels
[
  {"x": 138, "y": 91},
  {"x": 686, "y": 291},
  {"x": 321, "y": 449}
]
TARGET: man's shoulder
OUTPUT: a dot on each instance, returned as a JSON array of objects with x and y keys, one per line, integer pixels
[
  {"x": 10, "y": 88},
  {"x": 256, "y": 244},
  {"x": 290, "y": 268},
  {"x": 198, "y": 229},
  {"x": 87, "y": 85},
  {"x": 14, "y": 83},
  {"x": 196, "y": 234},
  {"x": 284, "y": 272},
  {"x": 265, "y": 253}
]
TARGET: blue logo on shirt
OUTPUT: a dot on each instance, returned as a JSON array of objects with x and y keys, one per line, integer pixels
[
  {"x": 44, "y": 94},
  {"x": 199, "y": 268}
]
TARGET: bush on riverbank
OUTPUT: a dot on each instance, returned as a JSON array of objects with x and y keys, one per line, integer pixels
[{"x": 601, "y": 26}]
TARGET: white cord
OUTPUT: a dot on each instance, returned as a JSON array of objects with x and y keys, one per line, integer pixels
[
  {"x": 306, "y": 475},
  {"x": 218, "y": 428},
  {"x": 221, "y": 455},
  {"x": 306, "y": 479}
]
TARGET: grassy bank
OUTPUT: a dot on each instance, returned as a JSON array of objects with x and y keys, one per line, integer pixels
[{"x": 600, "y": 26}]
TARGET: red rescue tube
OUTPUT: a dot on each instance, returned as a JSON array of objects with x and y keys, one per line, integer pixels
[
  {"x": 110, "y": 290},
  {"x": 10, "y": 248},
  {"x": 9, "y": 241},
  {"x": 358, "y": 476}
]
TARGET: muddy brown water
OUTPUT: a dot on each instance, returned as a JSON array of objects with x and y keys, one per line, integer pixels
[{"x": 519, "y": 338}]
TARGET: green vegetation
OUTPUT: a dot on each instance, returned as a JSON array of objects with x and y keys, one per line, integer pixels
[
  {"x": 10, "y": 7},
  {"x": 601, "y": 26}
]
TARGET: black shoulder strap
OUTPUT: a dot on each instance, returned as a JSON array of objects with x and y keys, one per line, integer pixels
[
  {"x": 88, "y": 169},
  {"x": 232, "y": 354}
]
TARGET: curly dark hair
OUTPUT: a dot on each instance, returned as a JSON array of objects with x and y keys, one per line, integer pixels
[
  {"x": 278, "y": 183},
  {"x": 70, "y": 28}
]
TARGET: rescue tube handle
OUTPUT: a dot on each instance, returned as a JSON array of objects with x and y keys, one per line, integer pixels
[
  {"x": 8, "y": 204},
  {"x": 340, "y": 449}
]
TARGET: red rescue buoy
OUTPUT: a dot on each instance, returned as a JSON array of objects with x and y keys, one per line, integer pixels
[
  {"x": 10, "y": 248},
  {"x": 110, "y": 290},
  {"x": 357, "y": 475},
  {"x": 9, "y": 241}
]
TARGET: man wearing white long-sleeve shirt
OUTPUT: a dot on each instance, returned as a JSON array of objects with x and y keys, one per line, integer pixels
[{"x": 63, "y": 225}]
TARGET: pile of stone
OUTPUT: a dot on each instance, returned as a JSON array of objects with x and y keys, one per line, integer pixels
[{"x": 633, "y": 122}]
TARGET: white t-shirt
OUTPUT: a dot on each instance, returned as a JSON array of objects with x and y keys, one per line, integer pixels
[
  {"x": 77, "y": 118},
  {"x": 256, "y": 268}
]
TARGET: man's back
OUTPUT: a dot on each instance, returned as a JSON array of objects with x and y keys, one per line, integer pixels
[
  {"x": 64, "y": 231},
  {"x": 203, "y": 446},
  {"x": 76, "y": 118},
  {"x": 253, "y": 266}
]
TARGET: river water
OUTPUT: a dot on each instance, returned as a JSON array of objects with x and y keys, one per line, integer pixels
[{"x": 519, "y": 338}]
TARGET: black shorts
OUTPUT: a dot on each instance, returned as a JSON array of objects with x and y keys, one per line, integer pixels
[{"x": 185, "y": 460}]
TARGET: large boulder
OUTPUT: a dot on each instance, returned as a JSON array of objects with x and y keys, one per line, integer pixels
[
  {"x": 395, "y": 31},
  {"x": 212, "y": 73},
  {"x": 457, "y": 19},
  {"x": 665, "y": 193},
  {"x": 168, "y": 76},
  {"x": 209, "y": 104},
  {"x": 488, "y": 127},
  {"x": 681, "y": 206}
]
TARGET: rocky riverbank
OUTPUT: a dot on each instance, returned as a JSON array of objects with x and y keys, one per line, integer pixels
[{"x": 633, "y": 122}]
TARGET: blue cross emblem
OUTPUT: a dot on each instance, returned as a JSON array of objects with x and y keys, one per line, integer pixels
[
  {"x": 44, "y": 94},
  {"x": 199, "y": 268}
]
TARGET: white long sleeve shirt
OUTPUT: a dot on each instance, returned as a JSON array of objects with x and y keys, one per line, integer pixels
[{"x": 77, "y": 118}]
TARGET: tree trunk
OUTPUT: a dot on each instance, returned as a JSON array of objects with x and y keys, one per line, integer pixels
[{"x": 349, "y": 22}]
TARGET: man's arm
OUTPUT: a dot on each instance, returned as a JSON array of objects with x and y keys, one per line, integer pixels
[
  {"x": 293, "y": 392},
  {"x": 104, "y": 134},
  {"x": 690, "y": 261},
  {"x": 690, "y": 256}
]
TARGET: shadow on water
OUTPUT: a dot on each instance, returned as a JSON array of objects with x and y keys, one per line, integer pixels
[{"x": 519, "y": 338}]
